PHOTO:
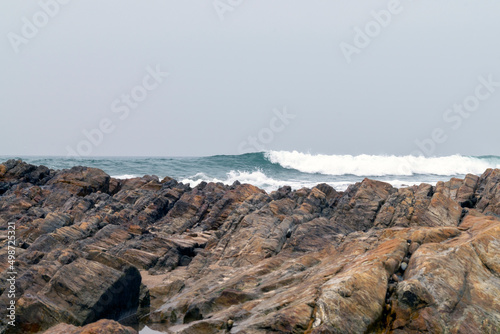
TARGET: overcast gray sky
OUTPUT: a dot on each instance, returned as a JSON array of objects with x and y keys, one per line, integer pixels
[{"x": 232, "y": 62}]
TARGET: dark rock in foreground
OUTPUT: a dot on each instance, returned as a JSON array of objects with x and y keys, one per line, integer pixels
[
  {"x": 233, "y": 259},
  {"x": 99, "y": 327}
]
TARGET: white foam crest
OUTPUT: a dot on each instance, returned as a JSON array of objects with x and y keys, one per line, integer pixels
[
  {"x": 124, "y": 176},
  {"x": 260, "y": 180},
  {"x": 342, "y": 186},
  {"x": 378, "y": 165},
  {"x": 256, "y": 178}
]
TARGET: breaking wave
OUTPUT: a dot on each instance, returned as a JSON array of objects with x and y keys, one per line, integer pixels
[{"x": 379, "y": 165}]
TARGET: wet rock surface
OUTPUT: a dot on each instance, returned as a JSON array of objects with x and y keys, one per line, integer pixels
[{"x": 234, "y": 259}]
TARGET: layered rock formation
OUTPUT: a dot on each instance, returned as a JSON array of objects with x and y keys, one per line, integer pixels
[{"x": 234, "y": 259}]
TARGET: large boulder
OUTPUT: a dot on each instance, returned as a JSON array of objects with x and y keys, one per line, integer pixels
[
  {"x": 452, "y": 285},
  {"x": 16, "y": 171},
  {"x": 489, "y": 192},
  {"x": 81, "y": 181},
  {"x": 357, "y": 209},
  {"x": 80, "y": 293}
]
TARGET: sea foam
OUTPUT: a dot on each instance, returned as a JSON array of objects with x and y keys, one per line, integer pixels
[
  {"x": 378, "y": 165},
  {"x": 124, "y": 176},
  {"x": 269, "y": 184}
]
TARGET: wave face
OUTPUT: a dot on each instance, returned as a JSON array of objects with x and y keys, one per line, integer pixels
[
  {"x": 376, "y": 165},
  {"x": 273, "y": 169}
]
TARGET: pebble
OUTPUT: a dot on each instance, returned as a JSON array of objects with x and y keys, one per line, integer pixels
[
  {"x": 404, "y": 265},
  {"x": 395, "y": 278},
  {"x": 230, "y": 324}
]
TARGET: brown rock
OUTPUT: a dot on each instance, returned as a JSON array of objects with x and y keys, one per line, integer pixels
[
  {"x": 412, "y": 294},
  {"x": 358, "y": 207},
  {"x": 467, "y": 189},
  {"x": 81, "y": 181},
  {"x": 442, "y": 209},
  {"x": 391, "y": 265},
  {"x": 100, "y": 327},
  {"x": 453, "y": 281},
  {"x": 74, "y": 295},
  {"x": 413, "y": 247},
  {"x": 488, "y": 190}
]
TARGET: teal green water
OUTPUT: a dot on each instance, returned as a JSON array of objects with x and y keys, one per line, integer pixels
[{"x": 270, "y": 170}]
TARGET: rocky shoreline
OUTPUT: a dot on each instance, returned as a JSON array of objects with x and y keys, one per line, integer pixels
[{"x": 234, "y": 259}]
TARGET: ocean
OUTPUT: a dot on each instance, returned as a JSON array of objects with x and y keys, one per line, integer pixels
[{"x": 273, "y": 169}]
